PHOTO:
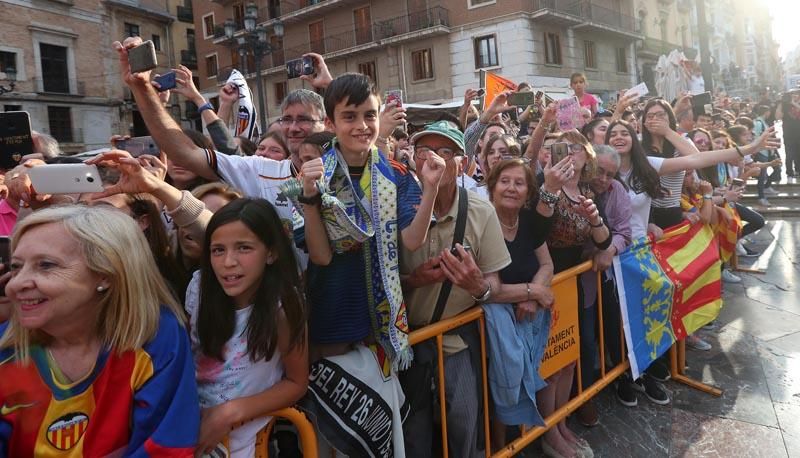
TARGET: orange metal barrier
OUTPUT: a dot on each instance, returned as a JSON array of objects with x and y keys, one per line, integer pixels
[
  {"x": 437, "y": 330},
  {"x": 305, "y": 431}
]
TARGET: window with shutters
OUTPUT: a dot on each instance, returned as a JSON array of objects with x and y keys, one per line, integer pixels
[{"x": 422, "y": 64}]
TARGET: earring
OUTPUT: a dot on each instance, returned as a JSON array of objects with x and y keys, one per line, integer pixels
[{"x": 100, "y": 289}]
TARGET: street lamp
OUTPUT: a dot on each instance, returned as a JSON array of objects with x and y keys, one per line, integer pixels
[
  {"x": 11, "y": 76},
  {"x": 254, "y": 39}
]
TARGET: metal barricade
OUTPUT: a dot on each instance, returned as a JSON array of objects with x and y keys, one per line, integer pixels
[{"x": 437, "y": 331}]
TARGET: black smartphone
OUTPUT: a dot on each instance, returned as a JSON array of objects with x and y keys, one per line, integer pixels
[
  {"x": 165, "y": 81},
  {"x": 737, "y": 182},
  {"x": 481, "y": 92},
  {"x": 15, "y": 138},
  {"x": 298, "y": 67},
  {"x": 521, "y": 99},
  {"x": 558, "y": 151},
  {"x": 701, "y": 104},
  {"x": 142, "y": 57},
  {"x": 138, "y": 146},
  {"x": 454, "y": 250}
]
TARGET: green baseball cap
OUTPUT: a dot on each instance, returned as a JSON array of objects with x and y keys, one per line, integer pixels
[{"x": 444, "y": 129}]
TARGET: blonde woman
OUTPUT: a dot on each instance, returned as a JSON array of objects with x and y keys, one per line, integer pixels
[{"x": 95, "y": 359}]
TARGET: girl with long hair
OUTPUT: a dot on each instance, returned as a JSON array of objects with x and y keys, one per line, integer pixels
[{"x": 248, "y": 321}]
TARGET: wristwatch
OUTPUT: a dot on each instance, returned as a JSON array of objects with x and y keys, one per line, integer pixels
[
  {"x": 547, "y": 197},
  {"x": 485, "y": 296},
  {"x": 316, "y": 199},
  {"x": 597, "y": 225}
]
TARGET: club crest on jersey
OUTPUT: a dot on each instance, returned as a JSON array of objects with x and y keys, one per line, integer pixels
[{"x": 66, "y": 431}]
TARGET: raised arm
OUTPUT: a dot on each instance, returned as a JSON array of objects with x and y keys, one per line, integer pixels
[
  {"x": 767, "y": 140},
  {"x": 165, "y": 131}
]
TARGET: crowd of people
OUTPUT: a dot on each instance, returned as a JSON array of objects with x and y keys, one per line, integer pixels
[{"x": 223, "y": 280}]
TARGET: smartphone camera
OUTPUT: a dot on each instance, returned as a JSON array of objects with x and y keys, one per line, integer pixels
[
  {"x": 481, "y": 92},
  {"x": 89, "y": 178}
]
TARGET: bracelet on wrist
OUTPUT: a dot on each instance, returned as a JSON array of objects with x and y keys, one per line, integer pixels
[
  {"x": 739, "y": 151},
  {"x": 486, "y": 294},
  {"x": 528, "y": 288},
  {"x": 595, "y": 226},
  {"x": 548, "y": 198},
  {"x": 204, "y": 107}
]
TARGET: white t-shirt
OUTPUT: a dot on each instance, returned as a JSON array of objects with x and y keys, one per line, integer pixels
[
  {"x": 640, "y": 202},
  {"x": 235, "y": 377},
  {"x": 474, "y": 186},
  {"x": 261, "y": 177}
]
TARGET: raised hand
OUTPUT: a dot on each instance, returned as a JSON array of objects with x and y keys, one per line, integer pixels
[
  {"x": 431, "y": 171},
  {"x": 310, "y": 173},
  {"x": 391, "y": 117},
  {"x": 130, "y": 79},
  {"x": 322, "y": 76},
  {"x": 136, "y": 175},
  {"x": 555, "y": 176}
]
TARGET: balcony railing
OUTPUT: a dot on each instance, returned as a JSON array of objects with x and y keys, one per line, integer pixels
[
  {"x": 412, "y": 22},
  {"x": 185, "y": 14},
  {"x": 55, "y": 85},
  {"x": 393, "y": 28},
  {"x": 189, "y": 58},
  {"x": 583, "y": 10}
]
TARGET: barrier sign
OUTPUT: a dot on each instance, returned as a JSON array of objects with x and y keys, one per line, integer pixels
[{"x": 563, "y": 344}]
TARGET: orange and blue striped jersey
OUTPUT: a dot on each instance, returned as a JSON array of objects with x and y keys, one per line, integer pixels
[{"x": 140, "y": 403}]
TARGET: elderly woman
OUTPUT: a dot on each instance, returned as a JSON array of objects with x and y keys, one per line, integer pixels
[
  {"x": 576, "y": 222},
  {"x": 95, "y": 358},
  {"x": 519, "y": 321}
]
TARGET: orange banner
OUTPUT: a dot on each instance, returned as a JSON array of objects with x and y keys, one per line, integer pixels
[
  {"x": 496, "y": 84},
  {"x": 563, "y": 343}
]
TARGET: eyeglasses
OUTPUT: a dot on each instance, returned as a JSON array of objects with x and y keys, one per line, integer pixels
[
  {"x": 657, "y": 115},
  {"x": 422, "y": 152},
  {"x": 573, "y": 147},
  {"x": 301, "y": 121}
]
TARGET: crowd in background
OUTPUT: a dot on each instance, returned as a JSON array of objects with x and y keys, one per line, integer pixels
[{"x": 205, "y": 287}]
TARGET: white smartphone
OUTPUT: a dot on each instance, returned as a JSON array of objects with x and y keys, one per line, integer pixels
[
  {"x": 640, "y": 90},
  {"x": 65, "y": 179}
]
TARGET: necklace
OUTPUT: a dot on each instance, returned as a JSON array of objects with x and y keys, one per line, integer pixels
[{"x": 512, "y": 227}]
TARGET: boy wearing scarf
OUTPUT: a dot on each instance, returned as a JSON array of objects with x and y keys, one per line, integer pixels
[{"x": 358, "y": 207}]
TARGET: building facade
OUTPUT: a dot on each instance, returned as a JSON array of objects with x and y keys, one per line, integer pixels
[
  {"x": 666, "y": 25},
  {"x": 66, "y": 74},
  {"x": 433, "y": 51},
  {"x": 60, "y": 71}
]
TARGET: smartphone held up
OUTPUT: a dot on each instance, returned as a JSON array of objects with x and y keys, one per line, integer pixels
[
  {"x": 298, "y": 67},
  {"x": 16, "y": 140}
]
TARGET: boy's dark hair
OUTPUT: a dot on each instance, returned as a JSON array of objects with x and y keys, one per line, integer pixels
[
  {"x": 320, "y": 139},
  {"x": 353, "y": 87},
  {"x": 279, "y": 287}
]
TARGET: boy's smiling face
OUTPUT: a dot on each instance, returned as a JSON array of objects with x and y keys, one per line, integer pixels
[{"x": 356, "y": 126}]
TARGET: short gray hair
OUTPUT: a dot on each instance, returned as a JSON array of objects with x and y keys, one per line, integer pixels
[
  {"x": 606, "y": 150},
  {"x": 45, "y": 145},
  {"x": 308, "y": 99}
]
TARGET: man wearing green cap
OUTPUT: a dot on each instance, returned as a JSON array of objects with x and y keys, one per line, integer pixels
[{"x": 472, "y": 270}]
